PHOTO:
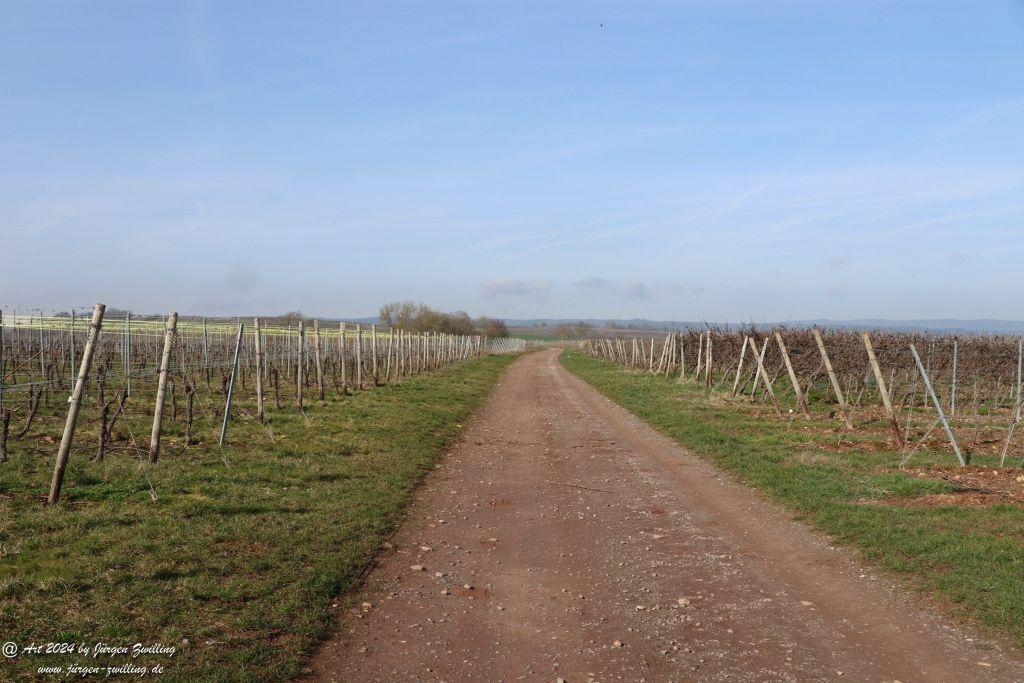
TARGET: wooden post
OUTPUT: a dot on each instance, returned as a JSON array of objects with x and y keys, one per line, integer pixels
[
  {"x": 673, "y": 349},
  {"x": 800, "y": 400},
  {"x": 1020, "y": 366},
  {"x": 161, "y": 388},
  {"x": 288, "y": 365},
  {"x": 760, "y": 357},
  {"x": 708, "y": 365},
  {"x": 886, "y": 400},
  {"x": 388, "y": 365},
  {"x": 938, "y": 406},
  {"x": 231, "y": 383},
  {"x": 127, "y": 352},
  {"x": 661, "y": 358},
  {"x": 700, "y": 356},
  {"x": 373, "y": 352},
  {"x": 415, "y": 360},
  {"x": 767, "y": 380},
  {"x": 359, "y": 357},
  {"x": 400, "y": 356},
  {"x": 670, "y": 360},
  {"x": 206, "y": 352},
  {"x": 258, "y": 338},
  {"x": 344, "y": 363},
  {"x": 300, "y": 367},
  {"x": 739, "y": 368},
  {"x": 682, "y": 358},
  {"x": 952, "y": 391},
  {"x": 74, "y": 404},
  {"x": 832, "y": 378},
  {"x": 42, "y": 348},
  {"x": 71, "y": 339},
  {"x": 263, "y": 338},
  {"x": 319, "y": 360}
]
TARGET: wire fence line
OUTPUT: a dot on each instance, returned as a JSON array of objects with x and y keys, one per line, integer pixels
[
  {"x": 112, "y": 377},
  {"x": 964, "y": 390}
]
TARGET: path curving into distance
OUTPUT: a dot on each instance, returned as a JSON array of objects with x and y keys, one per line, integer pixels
[{"x": 558, "y": 536}]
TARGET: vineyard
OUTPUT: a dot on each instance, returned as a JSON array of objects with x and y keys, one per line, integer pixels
[
  {"x": 927, "y": 392},
  {"x": 76, "y": 386}
]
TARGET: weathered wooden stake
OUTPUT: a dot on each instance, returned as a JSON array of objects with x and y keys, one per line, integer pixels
[
  {"x": 886, "y": 400},
  {"x": 359, "y": 357},
  {"x": 952, "y": 391},
  {"x": 767, "y": 380},
  {"x": 832, "y": 378},
  {"x": 1020, "y": 365},
  {"x": 206, "y": 352},
  {"x": 258, "y": 339},
  {"x": 344, "y": 363},
  {"x": 708, "y": 365},
  {"x": 739, "y": 368},
  {"x": 800, "y": 400},
  {"x": 161, "y": 387},
  {"x": 700, "y": 356},
  {"x": 300, "y": 368},
  {"x": 75, "y": 403},
  {"x": 319, "y": 361},
  {"x": 760, "y": 357},
  {"x": 373, "y": 352},
  {"x": 682, "y": 358}
]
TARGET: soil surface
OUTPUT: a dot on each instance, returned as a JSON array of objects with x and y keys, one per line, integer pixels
[
  {"x": 562, "y": 538},
  {"x": 974, "y": 487}
]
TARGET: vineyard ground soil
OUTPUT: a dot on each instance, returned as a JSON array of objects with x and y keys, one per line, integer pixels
[
  {"x": 235, "y": 566},
  {"x": 564, "y": 538}
]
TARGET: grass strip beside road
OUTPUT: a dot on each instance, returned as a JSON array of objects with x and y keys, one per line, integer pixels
[
  {"x": 234, "y": 566},
  {"x": 970, "y": 558}
]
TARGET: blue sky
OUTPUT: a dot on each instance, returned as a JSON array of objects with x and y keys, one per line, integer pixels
[{"x": 718, "y": 159}]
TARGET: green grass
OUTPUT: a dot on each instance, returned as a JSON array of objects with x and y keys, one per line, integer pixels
[
  {"x": 235, "y": 566},
  {"x": 972, "y": 559}
]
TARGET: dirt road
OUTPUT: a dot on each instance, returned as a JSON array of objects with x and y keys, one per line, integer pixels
[{"x": 563, "y": 538}]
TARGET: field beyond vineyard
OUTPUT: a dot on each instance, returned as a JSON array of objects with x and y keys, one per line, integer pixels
[{"x": 237, "y": 563}]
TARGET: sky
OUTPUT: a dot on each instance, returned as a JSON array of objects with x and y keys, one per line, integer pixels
[{"x": 715, "y": 160}]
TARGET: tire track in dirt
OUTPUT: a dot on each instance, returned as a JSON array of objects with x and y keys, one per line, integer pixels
[{"x": 563, "y": 538}]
